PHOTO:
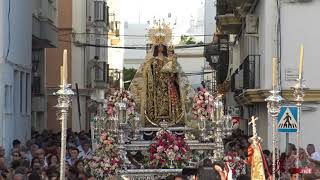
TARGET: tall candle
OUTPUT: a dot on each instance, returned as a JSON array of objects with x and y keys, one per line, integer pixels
[
  {"x": 301, "y": 62},
  {"x": 274, "y": 72},
  {"x": 65, "y": 66},
  {"x": 61, "y": 75}
]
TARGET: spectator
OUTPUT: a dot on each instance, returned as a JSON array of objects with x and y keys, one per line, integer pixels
[
  {"x": 16, "y": 155},
  {"x": 52, "y": 173},
  {"x": 78, "y": 169},
  {"x": 85, "y": 150},
  {"x": 53, "y": 160},
  {"x": 311, "y": 149},
  {"x": 34, "y": 176},
  {"x": 16, "y": 144},
  {"x": 36, "y": 167},
  {"x": 219, "y": 168},
  {"x": 41, "y": 155},
  {"x": 5, "y": 174},
  {"x": 312, "y": 152},
  {"x": 19, "y": 177},
  {"x": 74, "y": 153},
  {"x": 2, "y": 152},
  {"x": 179, "y": 177},
  {"x": 268, "y": 157},
  {"x": 3, "y": 158},
  {"x": 207, "y": 172},
  {"x": 32, "y": 151},
  {"x": 303, "y": 158}
]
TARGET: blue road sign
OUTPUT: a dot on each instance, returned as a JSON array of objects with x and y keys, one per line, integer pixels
[{"x": 288, "y": 119}]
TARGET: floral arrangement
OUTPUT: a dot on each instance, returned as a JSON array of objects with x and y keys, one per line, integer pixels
[
  {"x": 168, "y": 151},
  {"x": 236, "y": 164},
  {"x": 120, "y": 96},
  {"x": 202, "y": 105},
  {"x": 105, "y": 161}
]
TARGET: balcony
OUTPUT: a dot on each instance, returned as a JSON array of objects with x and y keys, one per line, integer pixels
[
  {"x": 100, "y": 78},
  {"x": 44, "y": 24},
  {"x": 230, "y": 13},
  {"x": 114, "y": 78},
  {"x": 80, "y": 39},
  {"x": 247, "y": 76}
]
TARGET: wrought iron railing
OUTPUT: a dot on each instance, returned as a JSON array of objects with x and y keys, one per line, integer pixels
[
  {"x": 100, "y": 70},
  {"x": 250, "y": 78}
]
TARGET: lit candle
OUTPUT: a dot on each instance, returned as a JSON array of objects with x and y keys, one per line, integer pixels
[
  {"x": 274, "y": 72},
  {"x": 61, "y": 75},
  {"x": 65, "y": 66},
  {"x": 301, "y": 62}
]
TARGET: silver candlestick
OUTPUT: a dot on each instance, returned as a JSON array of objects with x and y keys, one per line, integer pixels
[
  {"x": 298, "y": 93},
  {"x": 122, "y": 109},
  {"x": 136, "y": 128},
  {"x": 202, "y": 125},
  {"x": 64, "y": 94},
  {"x": 227, "y": 128},
  {"x": 274, "y": 104},
  {"x": 218, "y": 152}
]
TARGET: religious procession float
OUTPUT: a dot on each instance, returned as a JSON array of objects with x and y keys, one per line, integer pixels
[{"x": 160, "y": 125}]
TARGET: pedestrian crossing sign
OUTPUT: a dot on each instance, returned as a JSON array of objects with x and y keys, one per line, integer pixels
[{"x": 288, "y": 119}]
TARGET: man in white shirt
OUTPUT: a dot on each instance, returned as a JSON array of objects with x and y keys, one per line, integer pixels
[
  {"x": 312, "y": 152},
  {"x": 85, "y": 150}
]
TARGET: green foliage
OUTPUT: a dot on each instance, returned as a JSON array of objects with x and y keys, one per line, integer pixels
[
  {"x": 128, "y": 75},
  {"x": 186, "y": 40}
]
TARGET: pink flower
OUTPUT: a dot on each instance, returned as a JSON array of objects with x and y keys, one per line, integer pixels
[
  {"x": 176, "y": 148},
  {"x": 160, "y": 149},
  {"x": 158, "y": 157}
]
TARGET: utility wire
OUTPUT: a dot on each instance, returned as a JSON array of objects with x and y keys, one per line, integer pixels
[
  {"x": 132, "y": 47},
  {"x": 133, "y": 35}
]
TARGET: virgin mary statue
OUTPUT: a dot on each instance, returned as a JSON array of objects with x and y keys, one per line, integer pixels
[{"x": 159, "y": 87}]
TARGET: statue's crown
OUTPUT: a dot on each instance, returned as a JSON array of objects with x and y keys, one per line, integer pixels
[{"x": 160, "y": 33}]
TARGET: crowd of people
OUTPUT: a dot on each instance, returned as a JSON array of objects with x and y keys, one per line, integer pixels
[
  {"x": 39, "y": 158},
  {"x": 308, "y": 163}
]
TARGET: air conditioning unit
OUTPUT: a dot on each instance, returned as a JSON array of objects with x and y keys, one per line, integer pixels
[
  {"x": 99, "y": 11},
  {"x": 252, "y": 24}
]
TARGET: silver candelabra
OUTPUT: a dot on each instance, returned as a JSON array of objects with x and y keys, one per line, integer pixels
[
  {"x": 298, "y": 93},
  {"x": 122, "y": 119},
  {"x": 64, "y": 94},
  {"x": 274, "y": 104},
  {"x": 136, "y": 128},
  {"x": 218, "y": 152}
]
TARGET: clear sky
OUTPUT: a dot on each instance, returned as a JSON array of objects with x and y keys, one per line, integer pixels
[
  {"x": 182, "y": 12},
  {"x": 144, "y": 10}
]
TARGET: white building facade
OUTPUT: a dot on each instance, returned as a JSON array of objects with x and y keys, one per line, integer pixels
[
  {"x": 251, "y": 54},
  {"x": 15, "y": 70}
]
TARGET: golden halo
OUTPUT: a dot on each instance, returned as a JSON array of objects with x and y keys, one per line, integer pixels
[{"x": 160, "y": 34}]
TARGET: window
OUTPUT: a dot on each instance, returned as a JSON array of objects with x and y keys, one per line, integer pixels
[
  {"x": 28, "y": 94},
  {"x": 99, "y": 11},
  {"x": 97, "y": 48},
  {"x": 21, "y": 91},
  {"x": 8, "y": 99},
  {"x": 16, "y": 89}
]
